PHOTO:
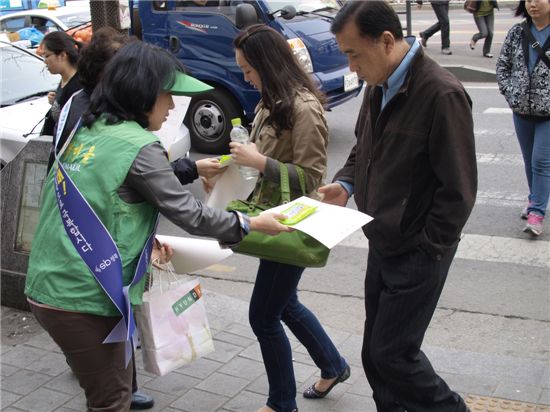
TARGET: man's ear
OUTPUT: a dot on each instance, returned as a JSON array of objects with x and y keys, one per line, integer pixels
[{"x": 388, "y": 40}]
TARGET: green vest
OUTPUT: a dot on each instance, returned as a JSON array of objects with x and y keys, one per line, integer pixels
[{"x": 97, "y": 160}]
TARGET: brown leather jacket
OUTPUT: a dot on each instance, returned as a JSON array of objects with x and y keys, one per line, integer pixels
[{"x": 413, "y": 167}]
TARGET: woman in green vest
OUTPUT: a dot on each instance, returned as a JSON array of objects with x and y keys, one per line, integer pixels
[{"x": 122, "y": 171}]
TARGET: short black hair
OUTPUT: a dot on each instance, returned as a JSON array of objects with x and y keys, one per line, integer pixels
[
  {"x": 131, "y": 83},
  {"x": 372, "y": 17}
]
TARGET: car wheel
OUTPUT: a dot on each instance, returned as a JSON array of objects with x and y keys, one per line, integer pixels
[{"x": 209, "y": 121}]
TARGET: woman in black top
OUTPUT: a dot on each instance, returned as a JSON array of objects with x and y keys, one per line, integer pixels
[{"x": 61, "y": 53}]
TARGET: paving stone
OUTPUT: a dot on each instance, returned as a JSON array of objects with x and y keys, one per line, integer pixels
[
  {"x": 545, "y": 397},
  {"x": 245, "y": 401},
  {"x": 172, "y": 384},
  {"x": 304, "y": 373},
  {"x": 42, "y": 400},
  {"x": 7, "y": 370},
  {"x": 24, "y": 381},
  {"x": 233, "y": 339},
  {"x": 54, "y": 364},
  {"x": 66, "y": 383},
  {"x": 43, "y": 341},
  {"x": 241, "y": 330},
  {"x": 196, "y": 400},
  {"x": 218, "y": 324},
  {"x": 360, "y": 386},
  {"x": 259, "y": 385},
  {"x": 504, "y": 368},
  {"x": 484, "y": 386},
  {"x": 350, "y": 350},
  {"x": 224, "y": 352},
  {"x": 354, "y": 403},
  {"x": 252, "y": 352},
  {"x": 518, "y": 392},
  {"x": 201, "y": 368},
  {"x": 22, "y": 356},
  {"x": 221, "y": 384},
  {"x": 8, "y": 398},
  {"x": 77, "y": 403},
  {"x": 243, "y": 368},
  {"x": 162, "y": 400},
  {"x": 315, "y": 405}
]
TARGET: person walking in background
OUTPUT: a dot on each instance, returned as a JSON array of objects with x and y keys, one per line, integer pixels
[
  {"x": 484, "y": 17},
  {"x": 523, "y": 76},
  {"x": 122, "y": 172},
  {"x": 289, "y": 127},
  {"x": 61, "y": 54},
  {"x": 414, "y": 170},
  {"x": 441, "y": 10}
]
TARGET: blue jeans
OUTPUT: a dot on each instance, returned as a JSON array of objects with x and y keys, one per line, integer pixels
[
  {"x": 485, "y": 25},
  {"x": 534, "y": 140},
  {"x": 275, "y": 298}
]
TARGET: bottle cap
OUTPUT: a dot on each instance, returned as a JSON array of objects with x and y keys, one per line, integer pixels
[{"x": 236, "y": 121}]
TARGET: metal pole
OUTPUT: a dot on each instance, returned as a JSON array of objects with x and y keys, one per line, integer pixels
[{"x": 409, "y": 17}]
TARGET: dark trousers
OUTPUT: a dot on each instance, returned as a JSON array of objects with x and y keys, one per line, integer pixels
[
  {"x": 485, "y": 25},
  {"x": 401, "y": 295},
  {"x": 99, "y": 367},
  {"x": 441, "y": 11},
  {"x": 275, "y": 298}
]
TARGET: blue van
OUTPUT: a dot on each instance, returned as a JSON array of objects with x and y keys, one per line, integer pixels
[{"x": 201, "y": 32}]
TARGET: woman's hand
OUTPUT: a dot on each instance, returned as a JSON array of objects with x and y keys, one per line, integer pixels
[
  {"x": 247, "y": 155},
  {"x": 209, "y": 167},
  {"x": 269, "y": 223},
  {"x": 334, "y": 194},
  {"x": 162, "y": 253},
  {"x": 207, "y": 184},
  {"x": 51, "y": 97}
]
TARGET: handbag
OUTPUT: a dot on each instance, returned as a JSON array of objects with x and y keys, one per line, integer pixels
[
  {"x": 172, "y": 323},
  {"x": 470, "y": 6},
  {"x": 292, "y": 248}
]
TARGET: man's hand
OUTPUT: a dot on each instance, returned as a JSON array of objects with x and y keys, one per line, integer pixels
[
  {"x": 209, "y": 167},
  {"x": 334, "y": 194},
  {"x": 269, "y": 223}
]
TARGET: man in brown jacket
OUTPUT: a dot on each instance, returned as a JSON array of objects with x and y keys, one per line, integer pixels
[{"x": 413, "y": 169}]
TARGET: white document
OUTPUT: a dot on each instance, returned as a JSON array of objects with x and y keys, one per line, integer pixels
[
  {"x": 329, "y": 224},
  {"x": 173, "y": 134},
  {"x": 192, "y": 254},
  {"x": 230, "y": 186}
]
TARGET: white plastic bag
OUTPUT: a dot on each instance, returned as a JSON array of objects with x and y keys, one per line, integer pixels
[{"x": 173, "y": 324}]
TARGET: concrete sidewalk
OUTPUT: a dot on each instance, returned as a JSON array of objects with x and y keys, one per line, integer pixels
[{"x": 35, "y": 376}]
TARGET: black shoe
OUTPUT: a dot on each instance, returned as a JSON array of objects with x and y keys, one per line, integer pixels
[
  {"x": 312, "y": 393},
  {"x": 423, "y": 40},
  {"x": 141, "y": 401}
]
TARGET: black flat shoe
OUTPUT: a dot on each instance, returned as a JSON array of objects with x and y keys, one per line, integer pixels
[{"x": 312, "y": 393}]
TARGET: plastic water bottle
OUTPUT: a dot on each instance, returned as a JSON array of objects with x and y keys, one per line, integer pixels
[{"x": 239, "y": 134}]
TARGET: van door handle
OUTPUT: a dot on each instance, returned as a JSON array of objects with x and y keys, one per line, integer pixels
[{"x": 174, "y": 44}]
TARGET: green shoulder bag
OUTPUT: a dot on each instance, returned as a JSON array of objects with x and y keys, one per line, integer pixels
[{"x": 292, "y": 248}]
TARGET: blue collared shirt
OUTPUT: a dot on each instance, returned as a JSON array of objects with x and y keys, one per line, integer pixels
[
  {"x": 397, "y": 78},
  {"x": 392, "y": 86}
]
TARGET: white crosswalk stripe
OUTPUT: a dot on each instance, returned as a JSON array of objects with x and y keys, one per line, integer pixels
[
  {"x": 500, "y": 159},
  {"x": 498, "y": 110},
  {"x": 486, "y": 248}
]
